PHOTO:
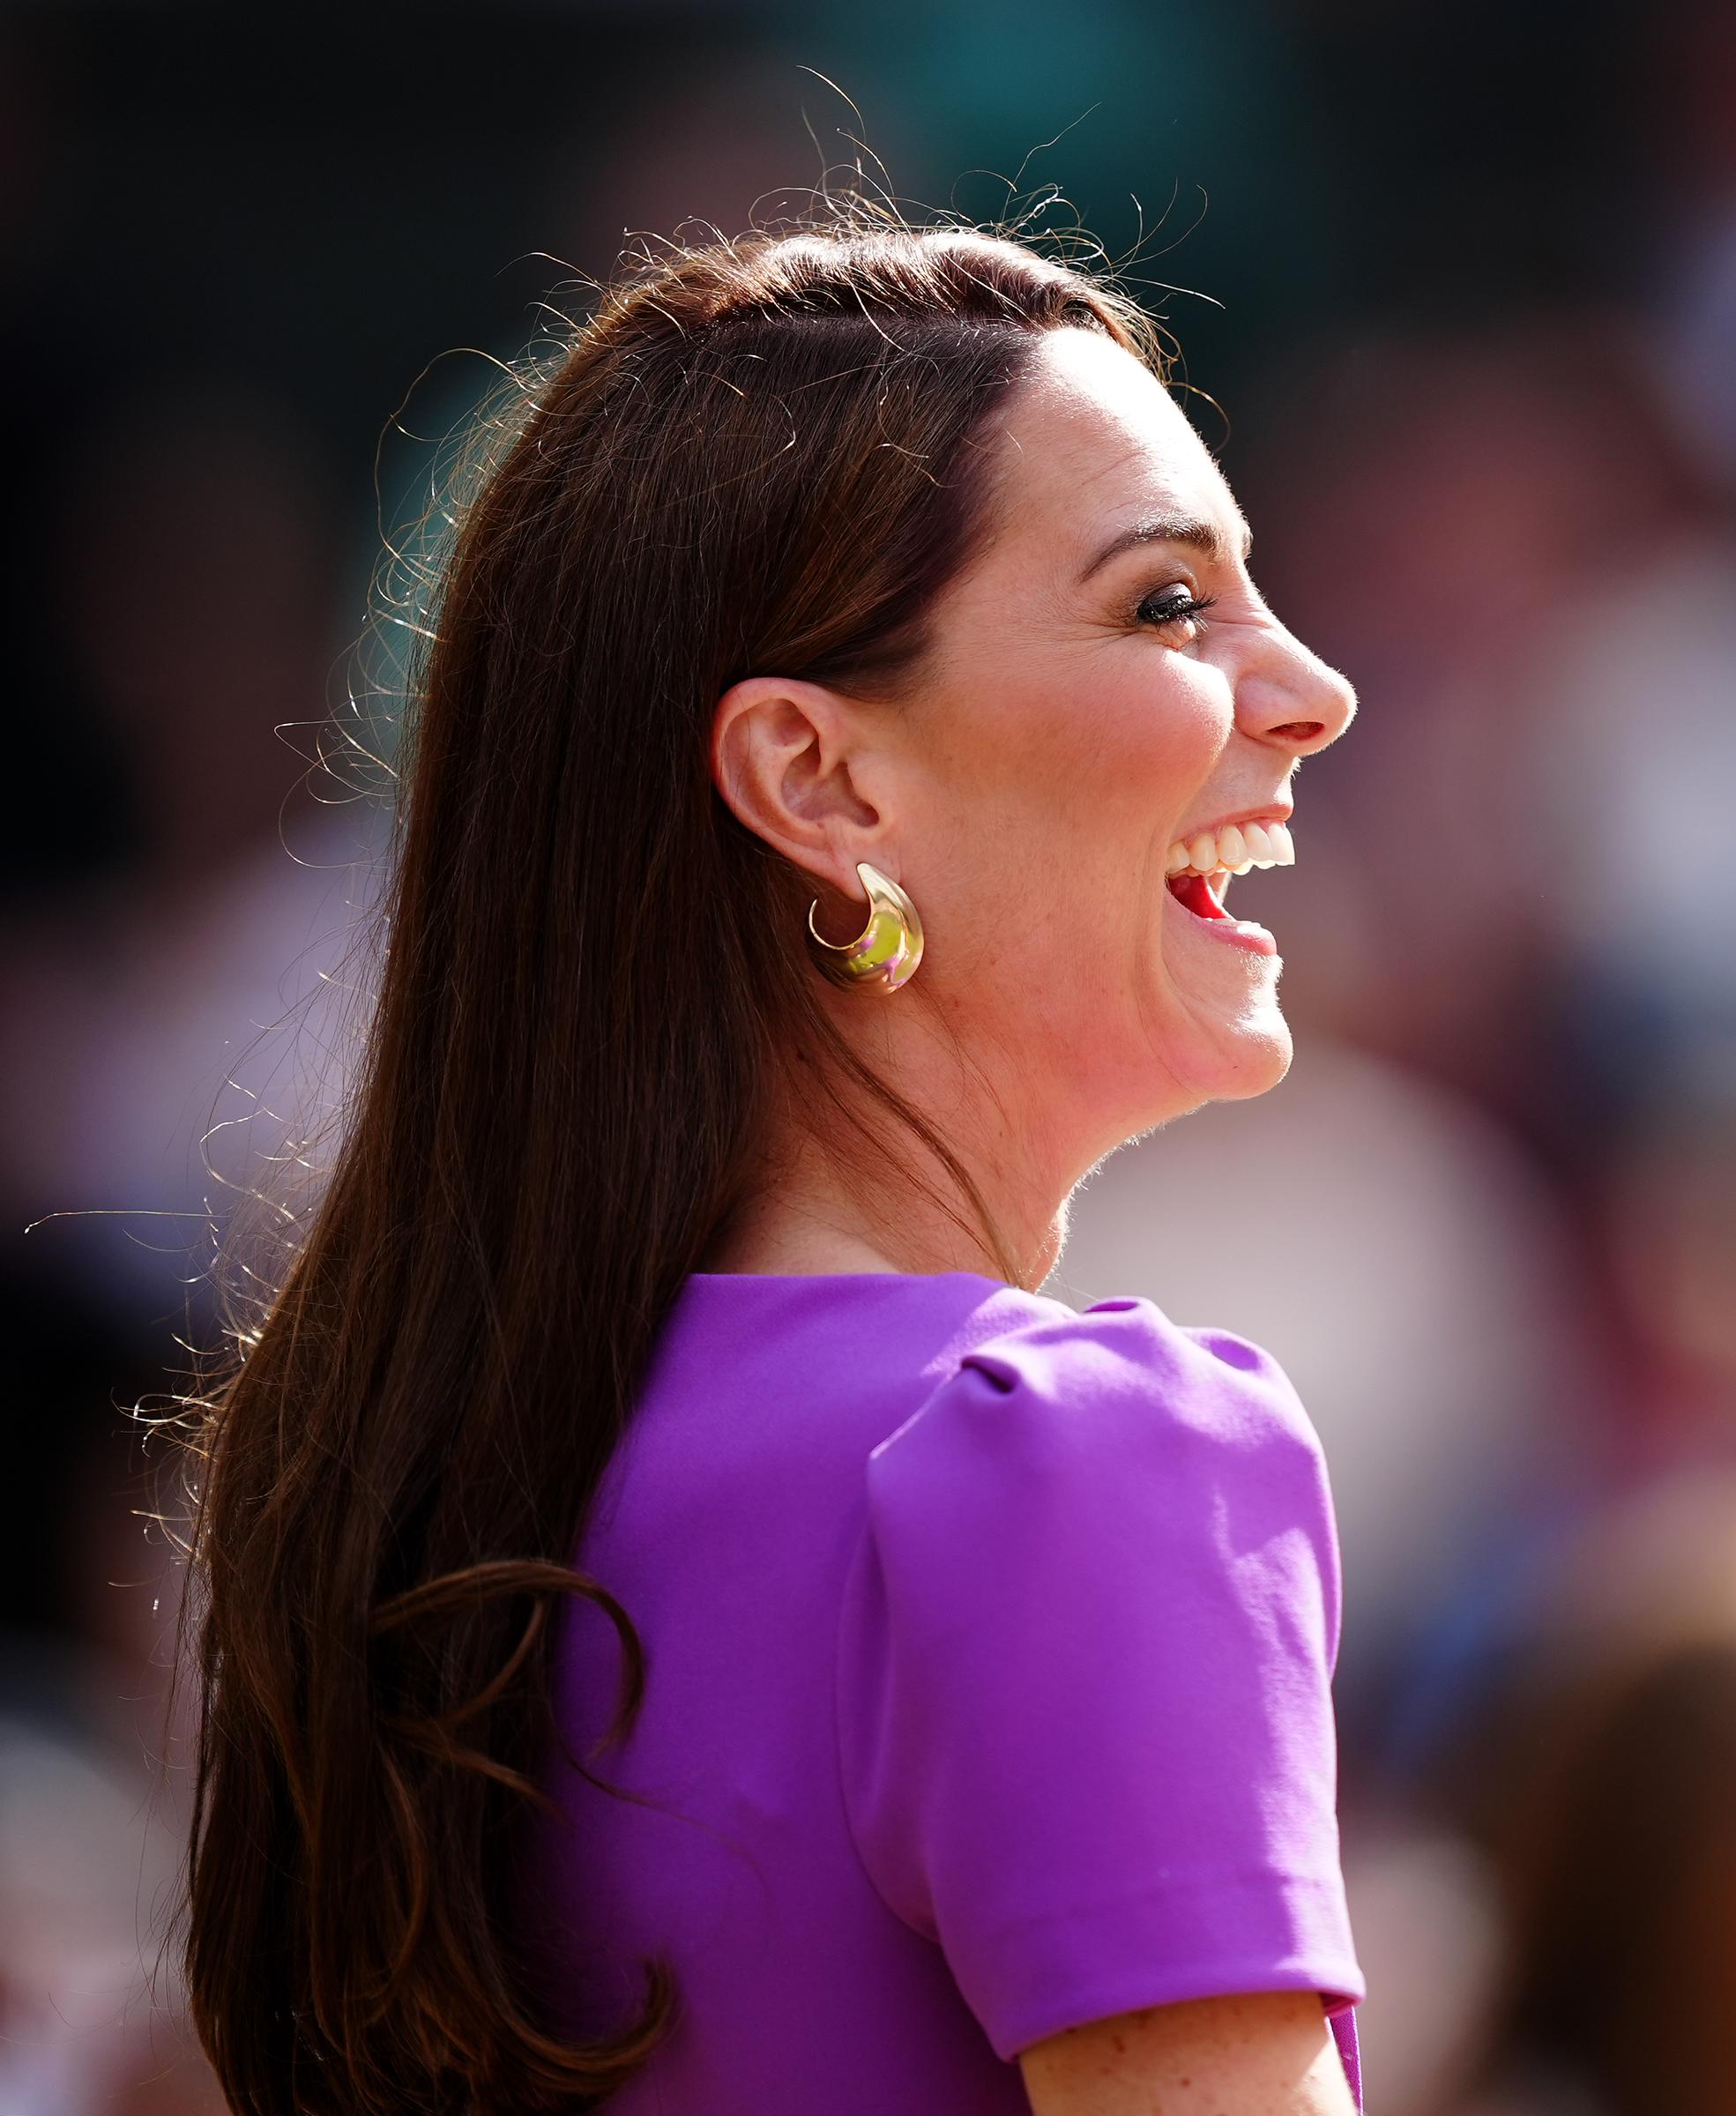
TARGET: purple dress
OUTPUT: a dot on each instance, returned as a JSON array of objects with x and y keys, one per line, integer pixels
[{"x": 989, "y": 1647}]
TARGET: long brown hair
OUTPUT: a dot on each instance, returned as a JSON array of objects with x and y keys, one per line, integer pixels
[{"x": 754, "y": 456}]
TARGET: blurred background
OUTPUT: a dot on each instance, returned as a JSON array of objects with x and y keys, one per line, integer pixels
[{"x": 1458, "y": 286}]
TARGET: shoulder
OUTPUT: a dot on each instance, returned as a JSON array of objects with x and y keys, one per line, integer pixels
[
  {"x": 1112, "y": 1446},
  {"x": 1084, "y": 1657},
  {"x": 1119, "y": 1376}
]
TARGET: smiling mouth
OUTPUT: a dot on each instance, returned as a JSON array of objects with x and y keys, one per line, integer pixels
[
  {"x": 1198, "y": 869},
  {"x": 1201, "y": 897}
]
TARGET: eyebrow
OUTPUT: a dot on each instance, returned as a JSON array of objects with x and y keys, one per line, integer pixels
[{"x": 1203, "y": 536}]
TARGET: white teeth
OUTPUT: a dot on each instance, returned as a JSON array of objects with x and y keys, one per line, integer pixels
[{"x": 1233, "y": 849}]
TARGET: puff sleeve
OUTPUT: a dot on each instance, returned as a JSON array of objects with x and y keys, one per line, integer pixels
[{"x": 1086, "y": 1652}]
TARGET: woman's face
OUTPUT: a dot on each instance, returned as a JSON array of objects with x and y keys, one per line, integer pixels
[{"x": 1074, "y": 727}]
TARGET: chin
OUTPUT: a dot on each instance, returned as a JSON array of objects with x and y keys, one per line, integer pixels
[{"x": 1250, "y": 1059}]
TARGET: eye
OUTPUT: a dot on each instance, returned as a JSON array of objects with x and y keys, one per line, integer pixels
[{"x": 1171, "y": 605}]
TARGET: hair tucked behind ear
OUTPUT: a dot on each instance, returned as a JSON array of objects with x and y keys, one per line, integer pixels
[{"x": 753, "y": 457}]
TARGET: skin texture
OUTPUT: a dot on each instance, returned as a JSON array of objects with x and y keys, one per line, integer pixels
[
  {"x": 1269, "y": 2053},
  {"x": 1027, "y": 797}
]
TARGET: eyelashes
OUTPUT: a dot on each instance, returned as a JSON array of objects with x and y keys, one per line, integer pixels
[{"x": 1170, "y": 606}]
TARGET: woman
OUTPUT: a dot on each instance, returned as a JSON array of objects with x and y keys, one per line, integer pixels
[{"x": 824, "y": 781}]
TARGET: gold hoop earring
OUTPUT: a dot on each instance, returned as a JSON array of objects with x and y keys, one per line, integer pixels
[{"x": 885, "y": 953}]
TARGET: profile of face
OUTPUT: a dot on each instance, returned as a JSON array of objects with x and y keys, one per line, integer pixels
[{"x": 1076, "y": 725}]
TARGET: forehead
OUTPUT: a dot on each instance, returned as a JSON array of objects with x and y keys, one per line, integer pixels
[{"x": 1090, "y": 440}]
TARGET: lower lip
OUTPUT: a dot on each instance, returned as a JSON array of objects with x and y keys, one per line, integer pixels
[{"x": 1235, "y": 932}]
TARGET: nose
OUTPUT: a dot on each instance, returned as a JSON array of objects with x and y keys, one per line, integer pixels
[{"x": 1290, "y": 696}]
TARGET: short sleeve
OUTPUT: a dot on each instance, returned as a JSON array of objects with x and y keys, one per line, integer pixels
[{"x": 1085, "y": 1653}]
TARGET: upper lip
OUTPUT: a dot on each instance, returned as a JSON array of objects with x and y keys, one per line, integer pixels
[{"x": 1276, "y": 811}]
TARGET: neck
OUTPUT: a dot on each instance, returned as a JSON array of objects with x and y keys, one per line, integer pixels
[
  {"x": 812, "y": 1223},
  {"x": 874, "y": 1196}
]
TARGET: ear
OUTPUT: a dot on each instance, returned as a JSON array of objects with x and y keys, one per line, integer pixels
[{"x": 797, "y": 764}]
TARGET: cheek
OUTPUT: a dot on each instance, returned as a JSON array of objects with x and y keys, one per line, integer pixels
[
  {"x": 1169, "y": 737},
  {"x": 1049, "y": 831},
  {"x": 1124, "y": 767}
]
